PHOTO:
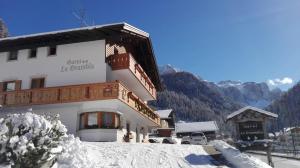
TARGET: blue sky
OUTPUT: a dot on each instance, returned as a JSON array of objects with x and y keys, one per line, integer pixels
[{"x": 257, "y": 40}]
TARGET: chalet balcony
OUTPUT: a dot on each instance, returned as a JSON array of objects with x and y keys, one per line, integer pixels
[
  {"x": 126, "y": 69},
  {"x": 78, "y": 93}
]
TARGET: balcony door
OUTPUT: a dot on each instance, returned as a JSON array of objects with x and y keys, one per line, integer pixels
[{"x": 37, "y": 83}]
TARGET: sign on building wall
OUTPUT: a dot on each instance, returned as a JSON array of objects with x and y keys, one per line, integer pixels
[{"x": 77, "y": 65}]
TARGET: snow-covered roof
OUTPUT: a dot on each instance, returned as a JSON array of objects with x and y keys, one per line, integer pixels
[
  {"x": 90, "y": 33},
  {"x": 164, "y": 113},
  {"x": 291, "y": 128},
  {"x": 196, "y": 126},
  {"x": 251, "y": 108},
  {"x": 125, "y": 25}
]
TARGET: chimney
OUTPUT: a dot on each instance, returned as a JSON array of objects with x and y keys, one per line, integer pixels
[{"x": 3, "y": 29}]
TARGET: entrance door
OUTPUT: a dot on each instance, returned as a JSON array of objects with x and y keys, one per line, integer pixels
[
  {"x": 137, "y": 134},
  {"x": 127, "y": 136}
]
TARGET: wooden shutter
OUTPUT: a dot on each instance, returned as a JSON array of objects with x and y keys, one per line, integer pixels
[
  {"x": 99, "y": 119},
  {"x": 86, "y": 120},
  {"x": 113, "y": 120},
  {"x": 1, "y": 87},
  {"x": 18, "y": 85}
]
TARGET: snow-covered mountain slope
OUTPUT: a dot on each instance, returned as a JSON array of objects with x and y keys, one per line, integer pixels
[
  {"x": 166, "y": 69},
  {"x": 126, "y": 155},
  {"x": 249, "y": 93},
  {"x": 244, "y": 93},
  {"x": 229, "y": 83}
]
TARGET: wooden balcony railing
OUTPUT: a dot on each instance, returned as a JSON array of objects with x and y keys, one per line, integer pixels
[
  {"x": 126, "y": 61},
  {"x": 77, "y": 93},
  {"x": 133, "y": 101}
]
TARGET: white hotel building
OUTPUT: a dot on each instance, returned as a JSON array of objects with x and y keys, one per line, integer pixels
[{"x": 98, "y": 79}]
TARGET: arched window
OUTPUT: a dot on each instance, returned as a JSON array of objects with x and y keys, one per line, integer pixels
[{"x": 92, "y": 120}]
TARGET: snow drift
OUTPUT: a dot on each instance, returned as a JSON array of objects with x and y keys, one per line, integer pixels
[{"x": 236, "y": 158}]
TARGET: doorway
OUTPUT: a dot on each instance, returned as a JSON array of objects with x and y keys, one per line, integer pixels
[{"x": 137, "y": 134}]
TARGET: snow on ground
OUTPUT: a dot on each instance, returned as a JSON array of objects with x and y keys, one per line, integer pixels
[
  {"x": 74, "y": 155},
  {"x": 236, "y": 158},
  {"x": 279, "y": 162},
  {"x": 126, "y": 155}
]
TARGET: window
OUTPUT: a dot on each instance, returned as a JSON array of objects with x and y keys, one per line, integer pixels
[
  {"x": 37, "y": 83},
  {"x": 197, "y": 134},
  {"x": 33, "y": 53},
  {"x": 9, "y": 86},
  {"x": 52, "y": 51},
  {"x": 12, "y": 56},
  {"x": 107, "y": 120},
  {"x": 82, "y": 120},
  {"x": 92, "y": 120}
]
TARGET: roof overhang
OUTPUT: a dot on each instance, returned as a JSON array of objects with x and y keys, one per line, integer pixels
[
  {"x": 164, "y": 114},
  {"x": 242, "y": 110}
]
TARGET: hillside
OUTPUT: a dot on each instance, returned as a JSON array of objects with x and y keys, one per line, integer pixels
[
  {"x": 249, "y": 93},
  {"x": 195, "y": 99},
  {"x": 288, "y": 108},
  {"x": 192, "y": 99}
]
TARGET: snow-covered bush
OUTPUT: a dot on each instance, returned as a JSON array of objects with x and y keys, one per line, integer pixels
[{"x": 30, "y": 140}]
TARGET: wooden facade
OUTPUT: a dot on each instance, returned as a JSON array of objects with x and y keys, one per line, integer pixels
[
  {"x": 249, "y": 124},
  {"x": 78, "y": 93}
]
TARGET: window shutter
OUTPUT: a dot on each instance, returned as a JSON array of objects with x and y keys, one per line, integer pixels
[
  {"x": 86, "y": 120},
  {"x": 99, "y": 119},
  {"x": 18, "y": 84},
  {"x": 114, "y": 120},
  {"x": 1, "y": 87}
]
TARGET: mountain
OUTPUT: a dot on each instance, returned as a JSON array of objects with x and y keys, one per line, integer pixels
[
  {"x": 167, "y": 69},
  {"x": 195, "y": 99},
  {"x": 287, "y": 108},
  {"x": 249, "y": 93}
]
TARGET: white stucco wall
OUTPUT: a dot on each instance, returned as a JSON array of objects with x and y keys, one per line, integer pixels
[
  {"x": 51, "y": 66},
  {"x": 69, "y": 115},
  {"x": 101, "y": 135}
]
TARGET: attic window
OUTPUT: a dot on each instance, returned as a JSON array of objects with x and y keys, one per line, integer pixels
[
  {"x": 13, "y": 56},
  {"x": 32, "y": 53},
  {"x": 116, "y": 51},
  {"x": 52, "y": 51}
]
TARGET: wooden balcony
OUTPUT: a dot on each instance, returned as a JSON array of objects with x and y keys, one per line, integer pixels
[
  {"x": 77, "y": 93},
  {"x": 134, "y": 102},
  {"x": 126, "y": 61}
]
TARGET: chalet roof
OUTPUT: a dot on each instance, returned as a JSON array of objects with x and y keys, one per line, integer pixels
[
  {"x": 164, "y": 113},
  {"x": 196, "y": 126},
  {"x": 116, "y": 31},
  {"x": 230, "y": 116},
  {"x": 126, "y": 26}
]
